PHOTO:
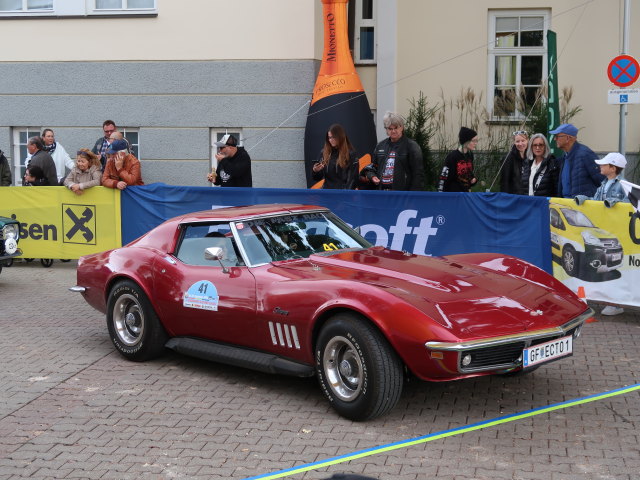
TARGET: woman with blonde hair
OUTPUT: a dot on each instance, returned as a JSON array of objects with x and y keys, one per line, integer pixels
[
  {"x": 337, "y": 164},
  {"x": 86, "y": 174}
]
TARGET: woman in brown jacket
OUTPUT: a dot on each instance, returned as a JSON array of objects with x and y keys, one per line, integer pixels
[{"x": 85, "y": 174}]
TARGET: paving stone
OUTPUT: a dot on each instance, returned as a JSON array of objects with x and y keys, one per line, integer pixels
[{"x": 72, "y": 407}]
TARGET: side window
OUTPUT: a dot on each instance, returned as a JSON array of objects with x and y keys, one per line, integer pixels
[
  {"x": 26, "y": 6},
  {"x": 554, "y": 218},
  {"x": 133, "y": 137},
  {"x": 362, "y": 30},
  {"x": 197, "y": 238},
  {"x": 517, "y": 61},
  {"x": 20, "y": 153},
  {"x": 121, "y": 6}
]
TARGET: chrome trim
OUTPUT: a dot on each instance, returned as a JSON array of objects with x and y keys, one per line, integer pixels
[
  {"x": 516, "y": 337},
  {"x": 77, "y": 289}
]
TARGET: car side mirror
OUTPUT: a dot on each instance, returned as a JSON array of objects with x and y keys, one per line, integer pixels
[{"x": 215, "y": 253}]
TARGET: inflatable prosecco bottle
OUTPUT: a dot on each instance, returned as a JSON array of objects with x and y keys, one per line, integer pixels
[{"x": 338, "y": 96}]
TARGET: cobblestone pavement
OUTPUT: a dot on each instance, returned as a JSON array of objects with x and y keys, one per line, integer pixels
[{"x": 74, "y": 408}]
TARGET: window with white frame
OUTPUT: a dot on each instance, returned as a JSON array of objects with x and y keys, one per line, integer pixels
[
  {"x": 362, "y": 26},
  {"x": 63, "y": 8},
  {"x": 216, "y": 136},
  {"x": 132, "y": 136},
  {"x": 125, "y": 5},
  {"x": 23, "y": 6},
  {"x": 20, "y": 138},
  {"x": 517, "y": 61}
]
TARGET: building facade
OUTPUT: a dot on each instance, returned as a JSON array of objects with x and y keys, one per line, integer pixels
[{"x": 176, "y": 76}]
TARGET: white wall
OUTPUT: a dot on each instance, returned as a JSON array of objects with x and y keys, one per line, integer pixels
[{"x": 183, "y": 30}]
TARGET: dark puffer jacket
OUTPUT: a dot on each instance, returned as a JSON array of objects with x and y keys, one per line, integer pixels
[
  {"x": 545, "y": 182},
  {"x": 511, "y": 174}
]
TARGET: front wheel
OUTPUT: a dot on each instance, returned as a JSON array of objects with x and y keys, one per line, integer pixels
[
  {"x": 134, "y": 327},
  {"x": 358, "y": 370},
  {"x": 46, "y": 262},
  {"x": 570, "y": 261}
]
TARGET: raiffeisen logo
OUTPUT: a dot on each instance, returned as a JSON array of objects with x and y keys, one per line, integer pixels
[{"x": 402, "y": 232}]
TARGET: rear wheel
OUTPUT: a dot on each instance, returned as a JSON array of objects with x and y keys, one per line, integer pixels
[
  {"x": 46, "y": 262},
  {"x": 358, "y": 371},
  {"x": 134, "y": 327}
]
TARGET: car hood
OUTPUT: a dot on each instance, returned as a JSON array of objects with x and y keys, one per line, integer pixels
[{"x": 470, "y": 300}]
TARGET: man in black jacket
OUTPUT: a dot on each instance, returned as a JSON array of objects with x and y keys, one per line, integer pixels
[
  {"x": 234, "y": 164},
  {"x": 42, "y": 159},
  {"x": 397, "y": 160}
]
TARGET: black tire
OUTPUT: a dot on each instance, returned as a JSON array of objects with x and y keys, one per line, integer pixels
[
  {"x": 65, "y": 260},
  {"x": 134, "y": 327},
  {"x": 358, "y": 371},
  {"x": 570, "y": 261},
  {"x": 46, "y": 262},
  {"x": 7, "y": 263}
]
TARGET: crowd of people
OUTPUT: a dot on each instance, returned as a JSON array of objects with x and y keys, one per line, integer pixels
[
  {"x": 530, "y": 168},
  {"x": 109, "y": 163}
]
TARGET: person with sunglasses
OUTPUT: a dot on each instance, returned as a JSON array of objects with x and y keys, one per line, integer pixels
[
  {"x": 511, "y": 171},
  {"x": 540, "y": 169},
  {"x": 234, "y": 164},
  {"x": 579, "y": 174}
]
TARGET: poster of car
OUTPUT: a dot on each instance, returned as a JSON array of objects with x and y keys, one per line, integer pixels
[{"x": 597, "y": 248}]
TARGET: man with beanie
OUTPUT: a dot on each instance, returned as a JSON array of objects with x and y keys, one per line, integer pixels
[
  {"x": 234, "y": 164},
  {"x": 579, "y": 175},
  {"x": 397, "y": 160},
  {"x": 457, "y": 172}
]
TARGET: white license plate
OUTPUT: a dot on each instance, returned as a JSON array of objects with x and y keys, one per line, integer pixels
[
  {"x": 546, "y": 352},
  {"x": 616, "y": 256}
]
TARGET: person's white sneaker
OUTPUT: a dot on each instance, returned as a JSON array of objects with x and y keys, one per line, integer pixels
[{"x": 611, "y": 310}]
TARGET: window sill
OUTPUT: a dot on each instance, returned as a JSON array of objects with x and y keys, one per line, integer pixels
[{"x": 53, "y": 16}]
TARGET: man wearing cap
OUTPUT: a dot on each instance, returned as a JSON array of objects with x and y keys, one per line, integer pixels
[
  {"x": 122, "y": 168},
  {"x": 578, "y": 174},
  {"x": 234, "y": 164}
]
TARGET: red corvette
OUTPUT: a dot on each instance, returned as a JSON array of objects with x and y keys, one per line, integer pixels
[{"x": 292, "y": 289}]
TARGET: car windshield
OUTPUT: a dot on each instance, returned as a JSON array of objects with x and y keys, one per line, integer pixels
[
  {"x": 576, "y": 218},
  {"x": 287, "y": 237}
]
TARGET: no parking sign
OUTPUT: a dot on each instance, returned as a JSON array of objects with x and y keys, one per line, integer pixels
[{"x": 623, "y": 70}]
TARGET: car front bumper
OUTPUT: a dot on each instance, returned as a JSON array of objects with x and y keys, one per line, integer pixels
[{"x": 502, "y": 353}]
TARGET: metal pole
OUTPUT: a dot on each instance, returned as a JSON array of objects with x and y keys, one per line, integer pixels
[{"x": 623, "y": 107}]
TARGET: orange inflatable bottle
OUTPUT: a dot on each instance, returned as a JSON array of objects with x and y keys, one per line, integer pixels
[{"x": 338, "y": 96}]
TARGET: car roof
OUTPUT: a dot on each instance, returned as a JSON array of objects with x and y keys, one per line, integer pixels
[{"x": 247, "y": 212}]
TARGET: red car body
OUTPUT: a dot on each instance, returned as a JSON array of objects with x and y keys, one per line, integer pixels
[{"x": 432, "y": 311}]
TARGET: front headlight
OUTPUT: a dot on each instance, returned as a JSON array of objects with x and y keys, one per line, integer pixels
[
  {"x": 11, "y": 230},
  {"x": 591, "y": 239}
]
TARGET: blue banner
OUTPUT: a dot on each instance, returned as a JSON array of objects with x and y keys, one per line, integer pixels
[{"x": 424, "y": 223}]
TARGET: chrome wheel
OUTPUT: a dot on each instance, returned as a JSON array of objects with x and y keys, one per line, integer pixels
[
  {"x": 128, "y": 319},
  {"x": 343, "y": 368}
]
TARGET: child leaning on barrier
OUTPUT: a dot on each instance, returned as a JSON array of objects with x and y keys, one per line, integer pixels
[{"x": 610, "y": 191}]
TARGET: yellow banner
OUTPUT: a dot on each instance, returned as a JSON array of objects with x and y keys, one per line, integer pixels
[
  {"x": 597, "y": 248},
  {"x": 57, "y": 223}
]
